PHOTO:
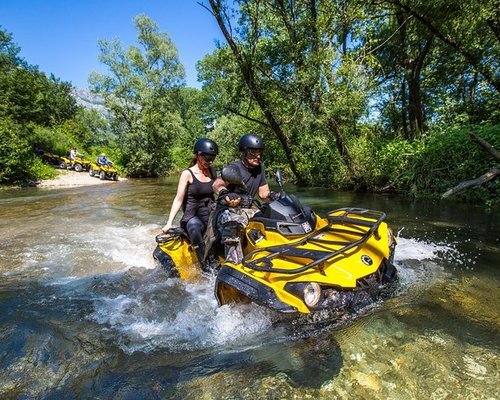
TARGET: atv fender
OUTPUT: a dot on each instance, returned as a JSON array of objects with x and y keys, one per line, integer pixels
[
  {"x": 166, "y": 263},
  {"x": 231, "y": 283}
]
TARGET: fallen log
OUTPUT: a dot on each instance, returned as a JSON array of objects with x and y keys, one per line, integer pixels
[
  {"x": 488, "y": 176},
  {"x": 485, "y": 145}
]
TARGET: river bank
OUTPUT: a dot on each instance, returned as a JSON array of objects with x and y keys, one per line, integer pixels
[{"x": 66, "y": 178}]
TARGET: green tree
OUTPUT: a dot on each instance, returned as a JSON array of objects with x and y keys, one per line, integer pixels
[
  {"x": 470, "y": 28},
  {"x": 29, "y": 100},
  {"x": 140, "y": 92},
  {"x": 289, "y": 68},
  {"x": 437, "y": 60},
  {"x": 9, "y": 52}
]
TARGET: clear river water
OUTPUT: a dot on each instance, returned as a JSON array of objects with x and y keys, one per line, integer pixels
[{"x": 86, "y": 314}]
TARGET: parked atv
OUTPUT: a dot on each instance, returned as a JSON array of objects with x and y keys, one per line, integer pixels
[
  {"x": 79, "y": 164},
  {"x": 54, "y": 159},
  {"x": 296, "y": 261},
  {"x": 103, "y": 171}
]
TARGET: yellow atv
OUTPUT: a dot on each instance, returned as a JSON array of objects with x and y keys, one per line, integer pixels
[
  {"x": 79, "y": 164},
  {"x": 64, "y": 162},
  {"x": 103, "y": 171},
  {"x": 53, "y": 159},
  {"x": 296, "y": 261}
]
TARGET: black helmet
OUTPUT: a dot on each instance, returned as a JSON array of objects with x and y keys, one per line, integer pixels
[
  {"x": 206, "y": 146},
  {"x": 250, "y": 141}
]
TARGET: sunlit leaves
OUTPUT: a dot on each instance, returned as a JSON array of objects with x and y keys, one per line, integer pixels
[{"x": 140, "y": 90}]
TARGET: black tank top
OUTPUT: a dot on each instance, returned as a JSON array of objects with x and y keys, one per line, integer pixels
[{"x": 199, "y": 198}]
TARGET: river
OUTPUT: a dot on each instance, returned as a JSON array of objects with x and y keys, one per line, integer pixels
[{"x": 86, "y": 313}]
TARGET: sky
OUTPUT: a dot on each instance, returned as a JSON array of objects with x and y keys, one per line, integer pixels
[{"x": 60, "y": 36}]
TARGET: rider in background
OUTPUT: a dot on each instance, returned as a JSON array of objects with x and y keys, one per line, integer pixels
[
  {"x": 73, "y": 154},
  {"x": 195, "y": 195},
  {"x": 102, "y": 159}
]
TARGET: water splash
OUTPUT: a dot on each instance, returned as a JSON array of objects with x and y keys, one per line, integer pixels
[
  {"x": 177, "y": 317},
  {"x": 130, "y": 246}
]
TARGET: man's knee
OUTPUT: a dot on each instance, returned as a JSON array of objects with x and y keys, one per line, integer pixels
[{"x": 230, "y": 230}]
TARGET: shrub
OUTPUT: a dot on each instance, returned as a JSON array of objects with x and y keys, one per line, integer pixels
[{"x": 450, "y": 157}]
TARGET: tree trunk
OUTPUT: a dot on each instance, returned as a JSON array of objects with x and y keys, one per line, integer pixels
[
  {"x": 403, "y": 61},
  {"x": 404, "y": 109},
  {"x": 415, "y": 108},
  {"x": 341, "y": 147},
  {"x": 488, "y": 176}
]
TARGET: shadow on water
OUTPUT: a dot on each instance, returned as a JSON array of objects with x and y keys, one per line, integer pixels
[
  {"x": 469, "y": 317},
  {"x": 307, "y": 363}
]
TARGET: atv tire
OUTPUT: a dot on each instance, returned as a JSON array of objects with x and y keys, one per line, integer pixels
[
  {"x": 63, "y": 165},
  {"x": 91, "y": 172},
  {"x": 115, "y": 177},
  {"x": 78, "y": 168},
  {"x": 102, "y": 175}
]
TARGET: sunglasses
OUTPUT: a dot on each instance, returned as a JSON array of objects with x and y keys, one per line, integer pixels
[
  {"x": 207, "y": 157},
  {"x": 254, "y": 153}
]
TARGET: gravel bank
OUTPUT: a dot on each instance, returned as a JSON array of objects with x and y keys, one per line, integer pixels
[{"x": 72, "y": 178}]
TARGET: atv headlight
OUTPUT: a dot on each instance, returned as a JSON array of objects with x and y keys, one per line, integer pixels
[{"x": 312, "y": 294}]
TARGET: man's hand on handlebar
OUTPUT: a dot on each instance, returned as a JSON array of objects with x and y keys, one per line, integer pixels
[{"x": 274, "y": 195}]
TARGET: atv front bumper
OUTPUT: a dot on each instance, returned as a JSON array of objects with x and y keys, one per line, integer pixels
[{"x": 234, "y": 286}]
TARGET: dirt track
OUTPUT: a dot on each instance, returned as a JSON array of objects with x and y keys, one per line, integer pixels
[{"x": 72, "y": 178}]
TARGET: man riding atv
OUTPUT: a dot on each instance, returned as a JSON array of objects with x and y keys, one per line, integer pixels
[
  {"x": 235, "y": 201},
  {"x": 285, "y": 256},
  {"x": 77, "y": 161},
  {"x": 103, "y": 168}
]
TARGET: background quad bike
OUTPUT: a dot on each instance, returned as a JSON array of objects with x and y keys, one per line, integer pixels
[
  {"x": 103, "y": 171},
  {"x": 53, "y": 159},
  {"x": 63, "y": 162},
  {"x": 78, "y": 165}
]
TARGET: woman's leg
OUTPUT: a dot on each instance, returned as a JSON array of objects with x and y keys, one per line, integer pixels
[{"x": 195, "y": 228}]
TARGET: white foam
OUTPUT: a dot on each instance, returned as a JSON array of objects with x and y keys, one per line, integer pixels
[
  {"x": 187, "y": 317},
  {"x": 190, "y": 323},
  {"x": 130, "y": 246},
  {"x": 414, "y": 249}
]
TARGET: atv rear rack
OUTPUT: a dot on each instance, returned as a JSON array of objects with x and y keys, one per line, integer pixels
[{"x": 318, "y": 257}]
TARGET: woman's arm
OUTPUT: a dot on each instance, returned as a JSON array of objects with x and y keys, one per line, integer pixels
[{"x": 184, "y": 180}]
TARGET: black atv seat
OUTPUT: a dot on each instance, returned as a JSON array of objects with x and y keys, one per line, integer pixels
[{"x": 286, "y": 228}]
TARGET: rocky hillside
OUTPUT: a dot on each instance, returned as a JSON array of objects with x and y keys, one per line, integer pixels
[{"x": 87, "y": 99}]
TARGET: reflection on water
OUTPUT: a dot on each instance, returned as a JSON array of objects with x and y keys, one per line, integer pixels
[{"x": 86, "y": 312}]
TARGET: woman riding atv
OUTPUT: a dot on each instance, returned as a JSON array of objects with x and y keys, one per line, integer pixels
[
  {"x": 285, "y": 256},
  {"x": 195, "y": 195}
]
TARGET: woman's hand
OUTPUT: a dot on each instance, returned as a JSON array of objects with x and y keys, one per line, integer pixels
[{"x": 166, "y": 228}]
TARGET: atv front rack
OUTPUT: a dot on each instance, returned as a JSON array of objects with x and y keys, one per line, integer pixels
[{"x": 372, "y": 220}]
